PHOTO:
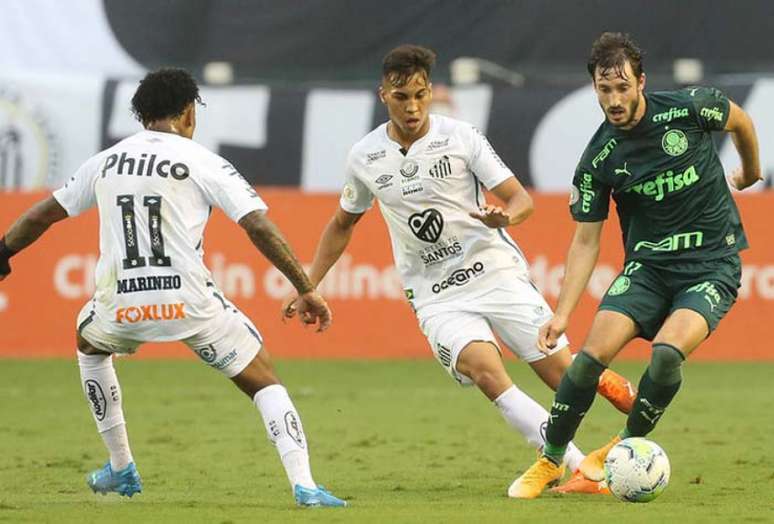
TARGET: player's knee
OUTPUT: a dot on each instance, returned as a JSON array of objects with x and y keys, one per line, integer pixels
[
  {"x": 666, "y": 364},
  {"x": 86, "y": 348},
  {"x": 257, "y": 375},
  {"x": 585, "y": 369}
]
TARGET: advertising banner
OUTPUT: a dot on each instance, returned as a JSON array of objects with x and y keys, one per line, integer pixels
[{"x": 371, "y": 318}]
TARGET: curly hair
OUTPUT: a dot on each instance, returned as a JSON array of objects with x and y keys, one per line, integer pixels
[
  {"x": 611, "y": 51},
  {"x": 164, "y": 93},
  {"x": 405, "y": 61}
]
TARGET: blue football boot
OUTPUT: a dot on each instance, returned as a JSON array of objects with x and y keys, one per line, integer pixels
[
  {"x": 316, "y": 498},
  {"x": 125, "y": 482}
]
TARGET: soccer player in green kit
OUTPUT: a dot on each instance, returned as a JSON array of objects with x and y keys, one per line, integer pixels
[{"x": 681, "y": 231}]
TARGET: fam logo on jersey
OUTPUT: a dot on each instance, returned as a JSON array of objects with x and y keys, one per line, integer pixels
[
  {"x": 605, "y": 152},
  {"x": 459, "y": 277},
  {"x": 442, "y": 168},
  {"x": 29, "y": 145},
  {"x": 383, "y": 182},
  {"x": 134, "y": 314},
  {"x": 427, "y": 225},
  {"x": 674, "y": 142}
]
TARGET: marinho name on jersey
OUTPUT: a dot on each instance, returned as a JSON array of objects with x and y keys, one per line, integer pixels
[
  {"x": 144, "y": 166},
  {"x": 148, "y": 283}
]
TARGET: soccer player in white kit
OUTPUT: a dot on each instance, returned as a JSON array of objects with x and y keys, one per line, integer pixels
[
  {"x": 155, "y": 191},
  {"x": 465, "y": 278}
]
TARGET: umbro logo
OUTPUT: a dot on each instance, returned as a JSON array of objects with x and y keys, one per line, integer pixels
[
  {"x": 427, "y": 226},
  {"x": 383, "y": 181}
]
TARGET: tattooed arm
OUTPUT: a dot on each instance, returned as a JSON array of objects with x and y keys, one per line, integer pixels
[
  {"x": 27, "y": 229},
  {"x": 270, "y": 242}
]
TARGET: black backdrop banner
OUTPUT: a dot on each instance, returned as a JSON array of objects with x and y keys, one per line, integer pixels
[{"x": 345, "y": 40}]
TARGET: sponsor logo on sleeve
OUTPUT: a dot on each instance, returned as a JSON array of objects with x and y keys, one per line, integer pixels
[
  {"x": 348, "y": 193},
  {"x": 711, "y": 114},
  {"x": 587, "y": 192}
]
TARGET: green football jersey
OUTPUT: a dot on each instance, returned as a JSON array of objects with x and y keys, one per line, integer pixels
[{"x": 665, "y": 176}]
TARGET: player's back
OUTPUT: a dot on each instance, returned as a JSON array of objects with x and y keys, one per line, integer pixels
[{"x": 154, "y": 192}]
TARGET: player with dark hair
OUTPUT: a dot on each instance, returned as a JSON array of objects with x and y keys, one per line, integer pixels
[
  {"x": 682, "y": 235},
  {"x": 155, "y": 191},
  {"x": 463, "y": 274}
]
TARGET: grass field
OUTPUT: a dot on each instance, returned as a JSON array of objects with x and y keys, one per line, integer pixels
[{"x": 400, "y": 440}]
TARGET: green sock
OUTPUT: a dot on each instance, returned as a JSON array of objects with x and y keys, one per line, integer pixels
[
  {"x": 573, "y": 399},
  {"x": 658, "y": 386}
]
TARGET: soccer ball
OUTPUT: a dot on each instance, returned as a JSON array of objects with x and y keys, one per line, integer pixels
[{"x": 637, "y": 470}]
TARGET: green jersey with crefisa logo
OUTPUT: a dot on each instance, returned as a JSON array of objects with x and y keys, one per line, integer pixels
[{"x": 665, "y": 176}]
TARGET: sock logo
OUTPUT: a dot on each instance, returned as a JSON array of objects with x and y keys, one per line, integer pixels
[
  {"x": 97, "y": 398},
  {"x": 651, "y": 413},
  {"x": 293, "y": 428}
]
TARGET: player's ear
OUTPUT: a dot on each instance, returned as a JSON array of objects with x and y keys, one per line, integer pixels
[
  {"x": 642, "y": 82},
  {"x": 381, "y": 95}
]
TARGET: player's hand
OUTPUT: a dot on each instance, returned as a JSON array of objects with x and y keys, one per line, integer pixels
[
  {"x": 5, "y": 268},
  {"x": 550, "y": 332},
  {"x": 289, "y": 306},
  {"x": 492, "y": 216},
  {"x": 312, "y": 309},
  {"x": 739, "y": 181}
]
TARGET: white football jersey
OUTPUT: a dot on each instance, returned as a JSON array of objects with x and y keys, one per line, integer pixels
[
  {"x": 425, "y": 195},
  {"x": 155, "y": 192}
]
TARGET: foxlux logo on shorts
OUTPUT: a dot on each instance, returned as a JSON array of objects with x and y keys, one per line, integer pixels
[
  {"x": 460, "y": 277},
  {"x": 133, "y": 314}
]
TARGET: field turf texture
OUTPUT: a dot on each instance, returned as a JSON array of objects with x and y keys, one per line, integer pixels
[{"x": 398, "y": 439}]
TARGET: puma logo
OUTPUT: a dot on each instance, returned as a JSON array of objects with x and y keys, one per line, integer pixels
[{"x": 623, "y": 171}]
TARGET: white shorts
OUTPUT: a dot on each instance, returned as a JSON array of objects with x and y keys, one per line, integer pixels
[
  {"x": 228, "y": 342},
  {"x": 514, "y": 310}
]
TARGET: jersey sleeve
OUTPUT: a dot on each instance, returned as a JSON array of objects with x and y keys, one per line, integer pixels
[
  {"x": 589, "y": 197},
  {"x": 711, "y": 107},
  {"x": 484, "y": 162},
  {"x": 78, "y": 194},
  {"x": 224, "y": 187},
  {"x": 356, "y": 198}
]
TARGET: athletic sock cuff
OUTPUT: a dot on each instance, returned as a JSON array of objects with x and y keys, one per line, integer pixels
[{"x": 585, "y": 370}]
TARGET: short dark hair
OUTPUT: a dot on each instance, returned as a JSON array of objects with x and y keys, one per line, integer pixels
[
  {"x": 612, "y": 51},
  {"x": 405, "y": 61},
  {"x": 164, "y": 93}
]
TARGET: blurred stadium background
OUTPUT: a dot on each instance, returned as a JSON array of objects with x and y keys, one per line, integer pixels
[{"x": 290, "y": 86}]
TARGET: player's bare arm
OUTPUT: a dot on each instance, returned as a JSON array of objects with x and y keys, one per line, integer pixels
[
  {"x": 27, "y": 229},
  {"x": 518, "y": 205},
  {"x": 270, "y": 242},
  {"x": 742, "y": 131},
  {"x": 581, "y": 259},
  {"x": 333, "y": 242}
]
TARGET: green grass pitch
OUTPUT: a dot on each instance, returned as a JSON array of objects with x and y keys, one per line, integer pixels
[{"x": 400, "y": 440}]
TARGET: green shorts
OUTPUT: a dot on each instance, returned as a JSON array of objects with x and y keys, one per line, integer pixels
[{"x": 648, "y": 293}]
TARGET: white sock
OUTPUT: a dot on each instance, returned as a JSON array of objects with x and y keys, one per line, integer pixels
[
  {"x": 103, "y": 393},
  {"x": 283, "y": 426},
  {"x": 530, "y": 419}
]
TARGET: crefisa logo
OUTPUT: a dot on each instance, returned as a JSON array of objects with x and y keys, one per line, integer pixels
[{"x": 28, "y": 144}]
